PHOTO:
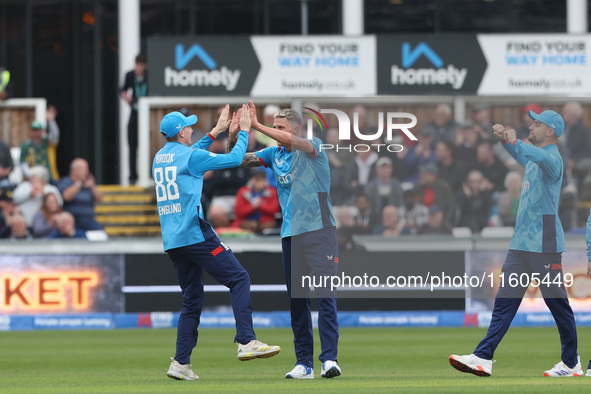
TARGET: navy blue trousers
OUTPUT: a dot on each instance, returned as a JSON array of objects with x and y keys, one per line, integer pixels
[
  {"x": 509, "y": 298},
  {"x": 213, "y": 257},
  {"x": 316, "y": 254}
]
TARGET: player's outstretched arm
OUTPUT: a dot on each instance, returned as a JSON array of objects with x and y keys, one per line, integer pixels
[
  {"x": 289, "y": 140},
  {"x": 221, "y": 125},
  {"x": 202, "y": 161},
  {"x": 507, "y": 137},
  {"x": 251, "y": 160}
]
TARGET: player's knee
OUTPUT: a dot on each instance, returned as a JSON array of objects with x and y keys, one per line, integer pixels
[
  {"x": 244, "y": 277},
  {"x": 191, "y": 305}
]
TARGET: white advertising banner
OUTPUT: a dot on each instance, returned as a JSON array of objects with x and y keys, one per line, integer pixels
[
  {"x": 315, "y": 66},
  {"x": 529, "y": 64}
]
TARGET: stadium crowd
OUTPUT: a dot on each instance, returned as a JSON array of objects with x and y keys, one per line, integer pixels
[
  {"x": 34, "y": 201},
  {"x": 454, "y": 175}
]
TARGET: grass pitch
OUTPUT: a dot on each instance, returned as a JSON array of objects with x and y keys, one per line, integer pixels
[{"x": 373, "y": 360}]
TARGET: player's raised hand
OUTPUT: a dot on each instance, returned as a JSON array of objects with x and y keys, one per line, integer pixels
[
  {"x": 511, "y": 135},
  {"x": 499, "y": 132},
  {"x": 235, "y": 123},
  {"x": 253, "y": 114},
  {"x": 245, "y": 120},
  {"x": 223, "y": 121}
]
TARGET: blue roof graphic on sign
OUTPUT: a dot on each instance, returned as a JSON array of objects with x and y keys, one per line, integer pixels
[
  {"x": 410, "y": 56},
  {"x": 182, "y": 57}
]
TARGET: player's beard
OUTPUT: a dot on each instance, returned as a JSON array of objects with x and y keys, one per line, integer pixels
[{"x": 533, "y": 139}]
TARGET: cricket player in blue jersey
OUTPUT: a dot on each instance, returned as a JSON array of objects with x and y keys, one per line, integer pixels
[
  {"x": 308, "y": 235},
  {"x": 535, "y": 250},
  {"x": 191, "y": 242}
]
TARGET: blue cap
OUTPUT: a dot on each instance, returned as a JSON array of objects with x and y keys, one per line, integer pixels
[
  {"x": 174, "y": 122},
  {"x": 550, "y": 118}
]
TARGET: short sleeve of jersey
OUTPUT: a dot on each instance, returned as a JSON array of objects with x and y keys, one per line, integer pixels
[{"x": 266, "y": 155}]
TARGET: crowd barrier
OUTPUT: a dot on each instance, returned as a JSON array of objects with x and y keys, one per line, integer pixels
[{"x": 212, "y": 320}]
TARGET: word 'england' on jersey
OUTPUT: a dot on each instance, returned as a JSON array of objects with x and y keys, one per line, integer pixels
[{"x": 170, "y": 208}]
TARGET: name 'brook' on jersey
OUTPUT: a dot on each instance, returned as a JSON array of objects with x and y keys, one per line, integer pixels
[{"x": 178, "y": 176}]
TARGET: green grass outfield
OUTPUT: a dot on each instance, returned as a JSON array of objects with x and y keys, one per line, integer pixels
[{"x": 372, "y": 359}]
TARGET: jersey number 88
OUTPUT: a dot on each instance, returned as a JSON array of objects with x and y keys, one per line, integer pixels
[{"x": 171, "y": 190}]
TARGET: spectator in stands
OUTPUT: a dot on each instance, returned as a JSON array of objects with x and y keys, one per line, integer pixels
[
  {"x": 473, "y": 202},
  {"x": 420, "y": 154},
  {"x": 45, "y": 220},
  {"x": 492, "y": 169},
  {"x": 337, "y": 167},
  {"x": 431, "y": 190},
  {"x": 481, "y": 115},
  {"x": 6, "y": 165},
  {"x": 384, "y": 189},
  {"x": 268, "y": 112},
  {"x": 523, "y": 129},
  {"x": 436, "y": 223},
  {"x": 347, "y": 228},
  {"x": 5, "y": 86},
  {"x": 509, "y": 199},
  {"x": 28, "y": 195},
  {"x": 450, "y": 170},
  {"x": 392, "y": 224},
  {"x": 397, "y": 157},
  {"x": 443, "y": 126},
  {"x": 18, "y": 228},
  {"x": 41, "y": 148},
  {"x": 80, "y": 194},
  {"x": 7, "y": 211},
  {"x": 578, "y": 145},
  {"x": 221, "y": 186},
  {"x": 466, "y": 141},
  {"x": 359, "y": 173},
  {"x": 257, "y": 204},
  {"x": 413, "y": 212},
  {"x": 136, "y": 82},
  {"x": 364, "y": 217},
  {"x": 66, "y": 227},
  {"x": 363, "y": 126}
]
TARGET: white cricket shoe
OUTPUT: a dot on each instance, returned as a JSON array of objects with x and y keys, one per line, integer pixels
[
  {"x": 471, "y": 364},
  {"x": 560, "y": 370},
  {"x": 330, "y": 369},
  {"x": 588, "y": 369},
  {"x": 256, "y": 349},
  {"x": 180, "y": 371},
  {"x": 300, "y": 372}
]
